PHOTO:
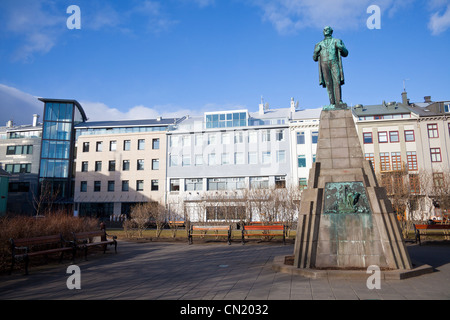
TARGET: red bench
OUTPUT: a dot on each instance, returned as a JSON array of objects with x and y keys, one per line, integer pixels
[
  {"x": 424, "y": 227},
  {"x": 264, "y": 231}
]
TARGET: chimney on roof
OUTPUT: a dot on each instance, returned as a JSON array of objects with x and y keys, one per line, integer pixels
[
  {"x": 292, "y": 105},
  {"x": 9, "y": 124},
  {"x": 261, "y": 106},
  {"x": 405, "y": 99},
  {"x": 35, "y": 119},
  {"x": 427, "y": 98}
]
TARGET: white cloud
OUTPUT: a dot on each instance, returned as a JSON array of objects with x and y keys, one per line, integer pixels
[
  {"x": 18, "y": 106},
  {"x": 34, "y": 23},
  {"x": 440, "y": 22}
]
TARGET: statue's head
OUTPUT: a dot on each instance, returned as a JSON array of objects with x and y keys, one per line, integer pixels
[{"x": 327, "y": 31}]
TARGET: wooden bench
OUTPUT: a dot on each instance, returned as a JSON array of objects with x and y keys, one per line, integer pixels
[
  {"x": 263, "y": 231},
  {"x": 176, "y": 224},
  {"x": 425, "y": 227},
  {"x": 209, "y": 231},
  {"x": 25, "y": 248},
  {"x": 85, "y": 240}
]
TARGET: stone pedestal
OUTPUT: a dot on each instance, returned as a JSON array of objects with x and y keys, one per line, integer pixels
[{"x": 346, "y": 220}]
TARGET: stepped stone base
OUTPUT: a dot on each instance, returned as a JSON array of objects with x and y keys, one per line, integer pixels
[{"x": 346, "y": 220}]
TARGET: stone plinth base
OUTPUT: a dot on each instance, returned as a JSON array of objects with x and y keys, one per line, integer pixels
[{"x": 418, "y": 269}]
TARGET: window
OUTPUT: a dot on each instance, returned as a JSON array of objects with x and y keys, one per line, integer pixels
[
  {"x": 252, "y": 137},
  {"x": 141, "y": 144},
  {"x": 155, "y": 164},
  {"x": 112, "y": 145},
  {"x": 279, "y": 135},
  {"x": 194, "y": 184},
  {"x": 186, "y": 160},
  {"x": 396, "y": 161},
  {"x": 382, "y": 137},
  {"x": 302, "y": 183},
  {"x": 98, "y": 166},
  {"x": 280, "y": 182},
  {"x": 83, "y": 186},
  {"x": 226, "y": 138},
  {"x": 433, "y": 130},
  {"x": 19, "y": 168},
  {"x": 84, "y": 166},
  {"x": 174, "y": 160},
  {"x": 198, "y": 159},
  {"x": 140, "y": 185},
  {"x": 435, "y": 154},
  {"x": 265, "y": 135},
  {"x": 367, "y": 137},
  {"x": 252, "y": 158},
  {"x": 314, "y": 137},
  {"x": 126, "y": 145},
  {"x": 125, "y": 185},
  {"x": 155, "y": 185},
  {"x": 111, "y": 185},
  {"x": 198, "y": 140},
  {"x": 385, "y": 163},
  {"x": 19, "y": 187},
  {"x": 266, "y": 158},
  {"x": 112, "y": 165},
  {"x": 126, "y": 165},
  {"x": 174, "y": 184},
  {"x": 238, "y": 137},
  {"x": 409, "y": 135},
  {"x": 226, "y": 120},
  {"x": 301, "y": 161},
  {"x": 239, "y": 158},
  {"x": 155, "y": 144},
  {"x": 99, "y": 146},
  {"x": 186, "y": 141},
  {"x": 85, "y": 146},
  {"x": 211, "y": 159},
  {"x": 438, "y": 179},
  {"x": 174, "y": 141},
  {"x": 411, "y": 158},
  {"x": 140, "y": 164},
  {"x": 393, "y": 136},
  {"x": 300, "y": 138},
  {"x": 225, "y": 158},
  {"x": 281, "y": 156},
  {"x": 211, "y": 139},
  {"x": 414, "y": 183},
  {"x": 259, "y": 182},
  {"x": 97, "y": 186},
  {"x": 13, "y": 150},
  {"x": 370, "y": 157}
]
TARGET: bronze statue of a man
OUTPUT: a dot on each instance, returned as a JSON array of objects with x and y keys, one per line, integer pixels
[{"x": 331, "y": 75}]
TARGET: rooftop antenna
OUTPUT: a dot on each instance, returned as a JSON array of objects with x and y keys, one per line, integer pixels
[{"x": 404, "y": 84}]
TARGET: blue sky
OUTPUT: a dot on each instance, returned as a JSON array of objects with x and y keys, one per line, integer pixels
[{"x": 136, "y": 59}]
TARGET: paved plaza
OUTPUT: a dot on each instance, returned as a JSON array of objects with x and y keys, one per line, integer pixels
[{"x": 216, "y": 271}]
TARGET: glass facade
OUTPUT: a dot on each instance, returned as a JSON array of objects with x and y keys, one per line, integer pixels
[
  {"x": 60, "y": 116},
  {"x": 226, "y": 120}
]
